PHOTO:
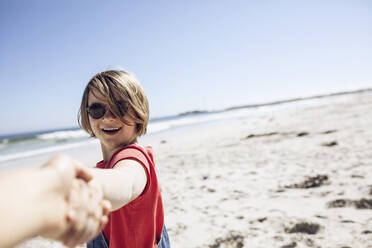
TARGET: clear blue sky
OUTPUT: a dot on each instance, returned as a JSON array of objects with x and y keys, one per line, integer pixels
[{"x": 188, "y": 55}]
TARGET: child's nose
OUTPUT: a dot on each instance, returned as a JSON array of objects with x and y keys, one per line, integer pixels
[{"x": 109, "y": 115}]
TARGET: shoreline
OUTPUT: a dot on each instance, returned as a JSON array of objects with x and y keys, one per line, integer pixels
[
  {"x": 183, "y": 123},
  {"x": 290, "y": 177},
  {"x": 30, "y": 134}
]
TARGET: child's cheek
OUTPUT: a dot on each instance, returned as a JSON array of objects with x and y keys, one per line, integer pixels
[{"x": 94, "y": 126}]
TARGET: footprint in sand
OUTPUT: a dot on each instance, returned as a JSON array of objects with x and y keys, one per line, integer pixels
[
  {"x": 358, "y": 204},
  {"x": 303, "y": 227},
  {"x": 310, "y": 182},
  {"x": 330, "y": 143},
  {"x": 328, "y": 132}
]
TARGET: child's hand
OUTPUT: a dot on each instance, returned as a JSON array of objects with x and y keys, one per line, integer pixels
[
  {"x": 83, "y": 211},
  {"x": 87, "y": 212}
]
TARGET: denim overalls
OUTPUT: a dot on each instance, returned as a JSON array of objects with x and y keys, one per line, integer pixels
[{"x": 100, "y": 241}]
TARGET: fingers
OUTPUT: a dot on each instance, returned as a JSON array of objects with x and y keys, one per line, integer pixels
[
  {"x": 68, "y": 169},
  {"x": 103, "y": 218},
  {"x": 99, "y": 209},
  {"x": 103, "y": 221},
  {"x": 90, "y": 229},
  {"x": 66, "y": 240},
  {"x": 64, "y": 167},
  {"x": 106, "y": 207},
  {"x": 88, "y": 212},
  {"x": 82, "y": 172},
  {"x": 78, "y": 202}
]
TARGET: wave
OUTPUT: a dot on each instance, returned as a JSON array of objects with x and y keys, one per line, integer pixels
[
  {"x": 57, "y": 140},
  {"x": 63, "y": 135},
  {"x": 35, "y": 152}
]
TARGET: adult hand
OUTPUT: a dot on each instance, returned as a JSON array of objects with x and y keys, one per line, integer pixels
[
  {"x": 84, "y": 209},
  {"x": 89, "y": 212}
]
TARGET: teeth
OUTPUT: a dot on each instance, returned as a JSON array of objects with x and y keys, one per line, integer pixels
[{"x": 111, "y": 129}]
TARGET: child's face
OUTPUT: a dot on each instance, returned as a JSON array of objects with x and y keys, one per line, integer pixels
[{"x": 112, "y": 133}]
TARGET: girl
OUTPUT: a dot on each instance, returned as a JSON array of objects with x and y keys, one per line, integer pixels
[{"x": 115, "y": 110}]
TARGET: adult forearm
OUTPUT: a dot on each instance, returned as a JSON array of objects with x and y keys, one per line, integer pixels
[{"x": 28, "y": 208}]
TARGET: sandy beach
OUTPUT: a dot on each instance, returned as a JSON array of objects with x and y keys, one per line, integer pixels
[{"x": 296, "y": 175}]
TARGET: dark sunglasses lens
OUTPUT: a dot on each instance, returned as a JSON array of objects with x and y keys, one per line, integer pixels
[{"x": 96, "y": 110}]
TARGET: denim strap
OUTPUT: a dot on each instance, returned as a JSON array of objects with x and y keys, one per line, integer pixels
[{"x": 100, "y": 241}]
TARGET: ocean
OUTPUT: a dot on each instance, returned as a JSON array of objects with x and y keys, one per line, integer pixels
[
  {"x": 23, "y": 145},
  {"x": 16, "y": 146}
]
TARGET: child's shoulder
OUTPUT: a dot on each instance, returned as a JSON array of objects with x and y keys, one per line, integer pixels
[{"x": 143, "y": 154}]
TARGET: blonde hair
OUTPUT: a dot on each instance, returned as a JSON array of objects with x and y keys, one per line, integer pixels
[{"x": 117, "y": 86}]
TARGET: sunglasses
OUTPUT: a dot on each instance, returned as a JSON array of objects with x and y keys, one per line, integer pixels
[{"x": 98, "y": 110}]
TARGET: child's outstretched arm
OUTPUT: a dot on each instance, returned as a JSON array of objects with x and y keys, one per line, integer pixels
[{"x": 122, "y": 184}]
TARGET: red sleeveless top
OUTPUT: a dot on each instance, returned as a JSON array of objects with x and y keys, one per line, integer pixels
[{"x": 140, "y": 222}]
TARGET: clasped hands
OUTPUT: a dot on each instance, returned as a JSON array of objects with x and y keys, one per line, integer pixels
[{"x": 83, "y": 211}]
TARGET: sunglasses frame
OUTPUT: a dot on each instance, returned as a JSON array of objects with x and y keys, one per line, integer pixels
[
  {"x": 99, "y": 105},
  {"x": 123, "y": 108}
]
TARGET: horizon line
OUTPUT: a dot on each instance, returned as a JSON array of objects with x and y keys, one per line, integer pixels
[{"x": 199, "y": 111}]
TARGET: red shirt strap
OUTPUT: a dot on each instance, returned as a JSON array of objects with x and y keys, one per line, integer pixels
[{"x": 133, "y": 152}]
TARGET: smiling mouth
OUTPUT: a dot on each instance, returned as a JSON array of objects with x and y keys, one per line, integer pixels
[{"x": 111, "y": 130}]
